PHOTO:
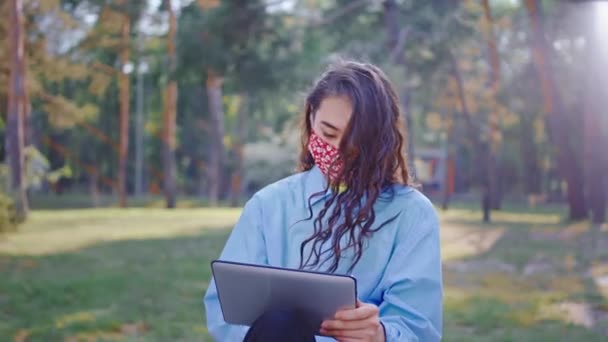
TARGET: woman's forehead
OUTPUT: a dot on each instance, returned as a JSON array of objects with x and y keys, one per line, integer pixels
[{"x": 335, "y": 110}]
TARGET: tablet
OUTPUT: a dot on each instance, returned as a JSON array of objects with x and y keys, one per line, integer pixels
[{"x": 247, "y": 291}]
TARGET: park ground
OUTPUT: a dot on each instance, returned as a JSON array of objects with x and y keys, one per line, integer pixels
[{"x": 139, "y": 275}]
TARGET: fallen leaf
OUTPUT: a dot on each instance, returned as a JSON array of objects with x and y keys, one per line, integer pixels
[
  {"x": 21, "y": 335},
  {"x": 133, "y": 328}
]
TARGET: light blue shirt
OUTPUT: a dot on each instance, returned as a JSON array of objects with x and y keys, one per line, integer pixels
[{"x": 400, "y": 270}]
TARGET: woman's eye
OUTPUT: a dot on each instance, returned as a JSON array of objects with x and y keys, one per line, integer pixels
[{"x": 329, "y": 136}]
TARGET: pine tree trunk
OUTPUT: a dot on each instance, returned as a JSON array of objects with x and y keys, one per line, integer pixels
[
  {"x": 409, "y": 131},
  {"x": 216, "y": 155},
  {"x": 169, "y": 115},
  {"x": 494, "y": 129},
  {"x": 445, "y": 201},
  {"x": 17, "y": 109},
  {"x": 94, "y": 189},
  {"x": 124, "y": 113},
  {"x": 139, "y": 125},
  {"x": 554, "y": 111},
  {"x": 241, "y": 136},
  {"x": 397, "y": 38},
  {"x": 529, "y": 154},
  {"x": 480, "y": 149}
]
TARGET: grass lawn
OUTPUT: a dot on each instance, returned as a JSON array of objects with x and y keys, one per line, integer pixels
[{"x": 140, "y": 274}]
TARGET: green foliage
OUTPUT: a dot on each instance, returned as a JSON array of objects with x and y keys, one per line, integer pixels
[
  {"x": 271, "y": 53},
  {"x": 8, "y": 216}
]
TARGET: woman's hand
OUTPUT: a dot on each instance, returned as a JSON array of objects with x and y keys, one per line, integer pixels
[{"x": 360, "y": 324}]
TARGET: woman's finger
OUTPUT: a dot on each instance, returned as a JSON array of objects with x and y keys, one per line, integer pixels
[
  {"x": 369, "y": 323},
  {"x": 362, "y": 312},
  {"x": 343, "y": 325},
  {"x": 360, "y": 333}
]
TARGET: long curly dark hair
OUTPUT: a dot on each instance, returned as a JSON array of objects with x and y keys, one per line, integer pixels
[{"x": 373, "y": 152}]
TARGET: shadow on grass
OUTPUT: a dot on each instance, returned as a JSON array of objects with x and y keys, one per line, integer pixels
[
  {"x": 529, "y": 285},
  {"x": 152, "y": 288}
]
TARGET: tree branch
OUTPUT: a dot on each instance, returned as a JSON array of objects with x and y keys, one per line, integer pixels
[
  {"x": 398, "y": 51},
  {"x": 105, "y": 68},
  {"x": 340, "y": 13}
]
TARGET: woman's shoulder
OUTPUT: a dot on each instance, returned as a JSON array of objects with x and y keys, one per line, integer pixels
[
  {"x": 416, "y": 210},
  {"x": 280, "y": 189},
  {"x": 409, "y": 197}
]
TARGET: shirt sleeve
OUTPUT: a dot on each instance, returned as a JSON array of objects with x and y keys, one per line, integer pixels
[
  {"x": 411, "y": 307},
  {"x": 245, "y": 244}
]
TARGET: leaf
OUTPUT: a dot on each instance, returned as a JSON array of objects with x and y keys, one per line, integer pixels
[
  {"x": 65, "y": 114},
  {"x": 426, "y": 53},
  {"x": 64, "y": 172},
  {"x": 99, "y": 84},
  {"x": 227, "y": 141}
]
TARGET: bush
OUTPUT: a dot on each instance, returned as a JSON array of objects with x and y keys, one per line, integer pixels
[
  {"x": 267, "y": 162},
  {"x": 8, "y": 215}
]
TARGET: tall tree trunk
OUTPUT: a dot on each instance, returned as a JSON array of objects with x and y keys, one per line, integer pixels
[
  {"x": 199, "y": 155},
  {"x": 446, "y": 182},
  {"x": 216, "y": 157},
  {"x": 493, "y": 166},
  {"x": 17, "y": 109},
  {"x": 241, "y": 136},
  {"x": 530, "y": 169},
  {"x": 124, "y": 112},
  {"x": 480, "y": 150},
  {"x": 94, "y": 189},
  {"x": 556, "y": 117},
  {"x": 409, "y": 131},
  {"x": 169, "y": 116},
  {"x": 397, "y": 39},
  {"x": 139, "y": 124}
]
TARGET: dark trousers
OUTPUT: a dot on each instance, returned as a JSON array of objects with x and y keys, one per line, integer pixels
[{"x": 275, "y": 326}]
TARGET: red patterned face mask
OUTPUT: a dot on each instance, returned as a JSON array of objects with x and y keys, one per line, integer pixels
[{"x": 326, "y": 156}]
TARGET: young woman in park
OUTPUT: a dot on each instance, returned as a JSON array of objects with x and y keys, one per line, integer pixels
[{"x": 349, "y": 210}]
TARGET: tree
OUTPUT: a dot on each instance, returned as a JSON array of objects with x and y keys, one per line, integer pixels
[
  {"x": 397, "y": 40},
  {"x": 17, "y": 108},
  {"x": 239, "y": 143},
  {"x": 53, "y": 73},
  {"x": 237, "y": 50},
  {"x": 170, "y": 111},
  {"x": 493, "y": 186},
  {"x": 108, "y": 45},
  {"x": 554, "y": 110},
  {"x": 479, "y": 148},
  {"x": 216, "y": 156},
  {"x": 124, "y": 86}
]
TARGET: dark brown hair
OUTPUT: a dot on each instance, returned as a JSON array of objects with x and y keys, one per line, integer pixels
[{"x": 372, "y": 149}]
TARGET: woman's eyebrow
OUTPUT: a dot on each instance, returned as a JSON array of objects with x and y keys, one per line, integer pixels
[{"x": 330, "y": 125}]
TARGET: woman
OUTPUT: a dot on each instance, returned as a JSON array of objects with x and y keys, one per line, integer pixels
[{"x": 349, "y": 210}]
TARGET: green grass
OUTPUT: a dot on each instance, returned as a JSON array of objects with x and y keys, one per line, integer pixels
[
  {"x": 140, "y": 275},
  {"x": 80, "y": 200}
]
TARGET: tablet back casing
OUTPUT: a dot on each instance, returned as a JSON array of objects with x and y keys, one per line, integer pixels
[{"x": 247, "y": 291}]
